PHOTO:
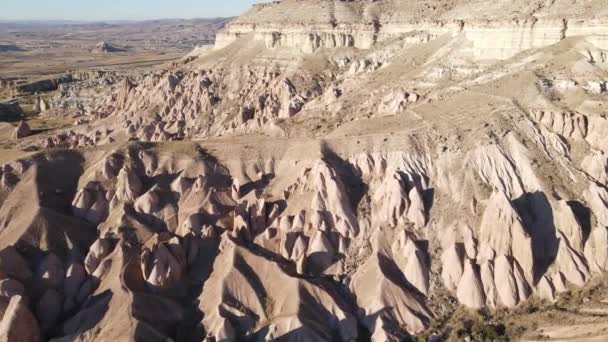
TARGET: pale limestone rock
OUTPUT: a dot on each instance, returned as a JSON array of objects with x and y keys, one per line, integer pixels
[
  {"x": 181, "y": 184},
  {"x": 193, "y": 224},
  {"x": 124, "y": 91},
  {"x": 100, "y": 249},
  {"x": 299, "y": 221},
  {"x": 18, "y": 323},
  {"x": 22, "y": 130},
  {"x": 595, "y": 249},
  {"x": 36, "y": 106},
  {"x": 545, "y": 289},
  {"x": 366, "y": 166},
  {"x": 90, "y": 203},
  {"x": 491, "y": 42},
  {"x": 128, "y": 186},
  {"x": 290, "y": 328},
  {"x": 559, "y": 282},
  {"x": 163, "y": 263},
  {"x": 470, "y": 243},
  {"x": 486, "y": 253},
  {"x": 597, "y": 197},
  {"x": 274, "y": 214},
  {"x": 568, "y": 225},
  {"x": 318, "y": 202},
  {"x": 489, "y": 286},
  {"x": 391, "y": 200},
  {"x": 332, "y": 197},
  {"x": 321, "y": 253},
  {"x": 411, "y": 260},
  {"x": 250, "y": 292},
  {"x": 208, "y": 232},
  {"x": 571, "y": 264},
  {"x": 223, "y": 331},
  {"x": 470, "y": 288},
  {"x": 568, "y": 84},
  {"x": 241, "y": 224},
  {"x": 111, "y": 167},
  {"x": 413, "y": 97},
  {"x": 285, "y": 297},
  {"x": 567, "y": 124},
  {"x": 82, "y": 202},
  {"x": 506, "y": 284},
  {"x": 298, "y": 254},
  {"x": 102, "y": 270},
  {"x": 496, "y": 170},
  {"x": 452, "y": 267},
  {"x": 416, "y": 271},
  {"x": 523, "y": 288},
  {"x": 596, "y": 165},
  {"x": 416, "y": 212},
  {"x": 44, "y": 105},
  {"x": 364, "y": 65},
  {"x": 317, "y": 219},
  {"x": 388, "y": 307},
  {"x": 394, "y": 102},
  {"x": 148, "y": 203},
  {"x": 503, "y": 230},
  {"x": 596, "y": 87},
  {"x": 149, "y": 159},
  {"x": 403, "y": 246}
]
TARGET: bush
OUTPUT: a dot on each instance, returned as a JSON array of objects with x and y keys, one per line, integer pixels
[
  {"x": 488, "y": 332},
  {"x": 478, "y": 331}
]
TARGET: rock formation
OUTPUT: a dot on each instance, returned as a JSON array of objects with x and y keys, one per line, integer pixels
[
  {"x": 105, "y": 47},
  {"x": 18, "y": 323},
  {"x": 22, "y": 130},
  {"x": 330, "y": 171}
]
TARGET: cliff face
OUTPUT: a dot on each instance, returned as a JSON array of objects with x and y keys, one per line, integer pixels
[{"x": 361, "y": 24}]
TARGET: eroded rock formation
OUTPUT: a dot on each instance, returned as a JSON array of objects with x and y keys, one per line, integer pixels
[{"x": 331, "y": 171}]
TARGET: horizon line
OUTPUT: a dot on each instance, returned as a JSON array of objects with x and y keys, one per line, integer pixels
[{"x": 6, "y": 20}]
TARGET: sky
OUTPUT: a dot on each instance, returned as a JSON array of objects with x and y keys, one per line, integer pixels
[{"x": 90, "y": 10}]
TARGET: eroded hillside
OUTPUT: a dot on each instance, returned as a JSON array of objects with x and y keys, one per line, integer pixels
[{"x": 331, "y": 171}]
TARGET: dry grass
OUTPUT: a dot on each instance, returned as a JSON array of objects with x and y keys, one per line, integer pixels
[
  {"x": 530, "y": 320},
  {"x": 7, "y": 155}
]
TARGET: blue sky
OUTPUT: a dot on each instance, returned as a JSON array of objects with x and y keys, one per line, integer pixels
[{"x": 119, "y": 9}]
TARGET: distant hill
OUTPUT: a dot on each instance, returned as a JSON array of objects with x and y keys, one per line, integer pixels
[{"x": 29, "y": 24}]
